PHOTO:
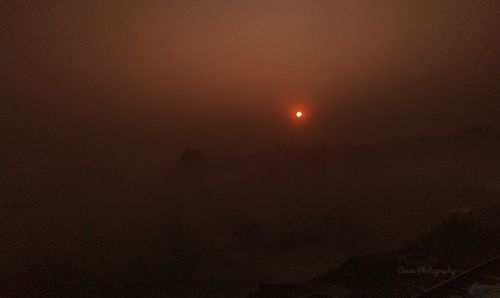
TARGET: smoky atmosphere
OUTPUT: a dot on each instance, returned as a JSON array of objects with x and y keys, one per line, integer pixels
[{"x": 279, "y": 148}]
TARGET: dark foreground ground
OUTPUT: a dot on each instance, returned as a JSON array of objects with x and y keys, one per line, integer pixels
[
  {"x": 118, "y": 220},
  {"x": 460, "y": 259}
]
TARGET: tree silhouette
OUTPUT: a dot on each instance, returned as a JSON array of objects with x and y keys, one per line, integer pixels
[{"x": 192, "y": 157}]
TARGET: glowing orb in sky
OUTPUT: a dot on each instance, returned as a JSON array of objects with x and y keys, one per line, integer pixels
[{"x": 298, "y": 114}]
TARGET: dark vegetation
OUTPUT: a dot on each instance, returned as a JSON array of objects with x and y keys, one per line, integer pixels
[{"x": 98, "y": 224}]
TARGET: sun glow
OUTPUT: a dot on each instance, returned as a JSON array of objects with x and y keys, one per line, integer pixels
[{"x": 298, "y": 114}]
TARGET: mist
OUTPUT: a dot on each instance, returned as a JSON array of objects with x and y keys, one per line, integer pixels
[{"x": 152, "y": 149}]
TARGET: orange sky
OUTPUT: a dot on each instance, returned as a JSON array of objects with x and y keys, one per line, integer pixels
[{"x": 203, "y": 66}]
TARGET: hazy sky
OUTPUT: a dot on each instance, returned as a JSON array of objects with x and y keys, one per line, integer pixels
[{"x": 231, "y": 72}]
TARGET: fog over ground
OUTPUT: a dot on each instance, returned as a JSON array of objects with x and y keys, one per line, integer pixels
[{"x": 150, "y": 148}]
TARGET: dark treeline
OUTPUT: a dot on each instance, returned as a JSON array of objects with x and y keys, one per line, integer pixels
[{"x": 92, "y": 223}]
